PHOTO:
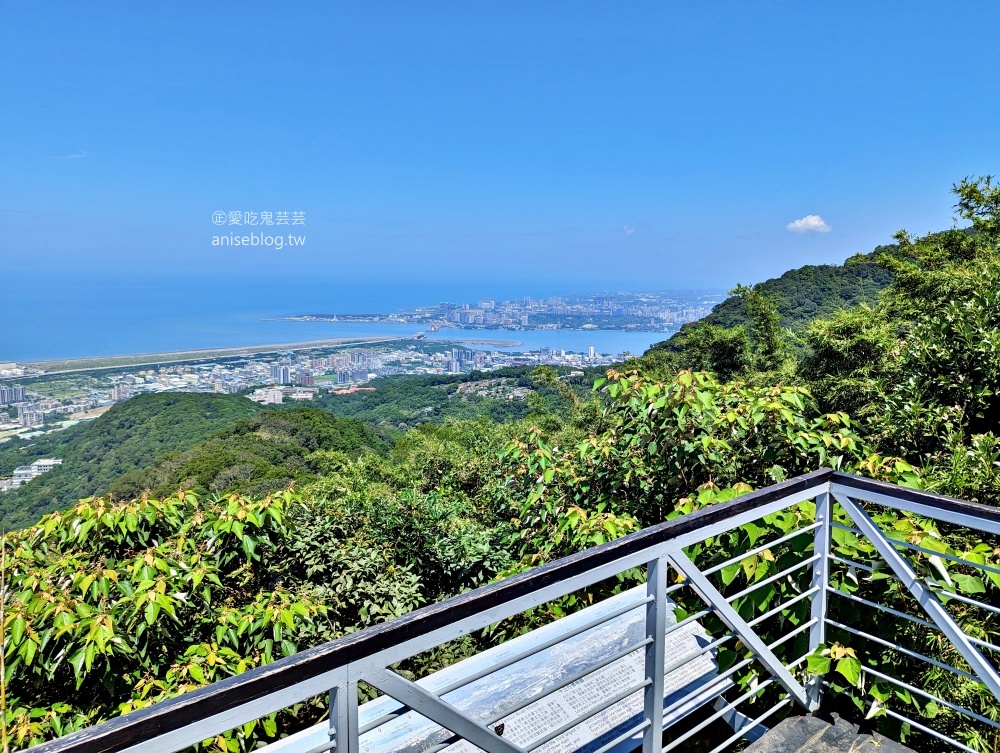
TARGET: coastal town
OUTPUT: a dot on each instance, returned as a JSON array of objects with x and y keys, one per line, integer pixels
[
  {"x": 643, "y": 311},
  {"x": 43, "y": 397},
  {"x": 34, "y": 404}
]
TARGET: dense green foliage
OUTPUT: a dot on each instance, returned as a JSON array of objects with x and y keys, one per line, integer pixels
[
  {"x": 402, "y": 402},
  {"x": 901, "y": 388},
  {"x": 812, "y": 291},
  {"x": 195, "y": 441},
  {"x": 259, "y": 455},
  {"x": 721, "y": 341},
  {"x": 129, "y": 436}
]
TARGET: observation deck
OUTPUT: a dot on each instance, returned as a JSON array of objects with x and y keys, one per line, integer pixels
[{"x": 742, "y": 624}]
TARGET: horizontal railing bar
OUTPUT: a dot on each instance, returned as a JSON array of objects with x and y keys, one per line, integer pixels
[
  {"x": 849, "y": 529},
  {"x": 926, "y": 730},
  {"x": 717, "y": 715},
  {"x": 739, "y": 518},
  {"x": 567, "y": 726},
  {"x": 569, "y": 680},
  {"x": 761, "y": 548},
  {"x": 883, "y": 608},
  {"x": 683, "y": 700},
  {"x": 380, "y": 721},
  {"x": 328, "y": 745},
  {"x": 288, "y": 673},
  {"x": 906, "y": 651},
  {"x": 687, "y": 658},
  {"x": 966, "y": 600},
  {"x": 951, "y": 557},
  {"x": 798, "y": 661},
  {"x": 783, "y": 607},
  {"x": 686, "y": 621},
  {"x": 623, "y": 737},
  {"x": 852, "y": 563},
  {"x": 741, "y": 732},
  {"x": 925, "y": 694},
  {"x": 982, "y": 644},
  {"x": 911, "y": 618},
  {"x": 777, "y": 576},
  {"x": 937, "y": 506},
  {"x": 520, "y": 656},
  {"x": 924, "y": 550},
  {"x": 736, "y": 667},
  {"x": 788, "y": 636}
]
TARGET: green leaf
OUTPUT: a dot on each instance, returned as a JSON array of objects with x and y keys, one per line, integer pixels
[
  {"x": 270, "y": 725},
  {"x": 76, "y": 661},
  {"x": 818, "y": 665},
  {"x": 17, "y": 630},
  {"x": 729, "y": 573},
  {"x": 850, "y": 669},
  {"x": 196, "y": 673},
  {"x": 969, "y": 584}
]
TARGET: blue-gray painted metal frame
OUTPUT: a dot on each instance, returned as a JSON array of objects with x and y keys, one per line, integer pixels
[{"x": 337, "y": 667}]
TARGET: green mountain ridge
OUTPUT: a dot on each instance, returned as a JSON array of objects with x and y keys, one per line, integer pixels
[
  {"x": 801, "y": 295},
  {"x": 131, "y": 435},
  {"x": 258, "y": 456}
]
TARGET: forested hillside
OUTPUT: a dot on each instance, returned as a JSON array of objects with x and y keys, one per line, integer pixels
[
  {"x": 903, "y": 388},
  {"x": 210, "y": 442},
  {"x": 403, "y": 402},
  {"x": 258, "y": 456},
  {"x": 129, "y": 436},
  {"x": 800, "y": 295},
  {"x": 795, "y": 298}
]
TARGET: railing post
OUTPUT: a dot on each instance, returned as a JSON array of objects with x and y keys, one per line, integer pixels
[
  {"x": 344, "y": 717},
  {"x": 656, "y": 625},
  {"x": 820, "y": 579}
]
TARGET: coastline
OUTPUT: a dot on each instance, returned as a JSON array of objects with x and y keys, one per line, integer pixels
[
  {"x": 96, "y": 363},
  {"x": 480, "y": 341}
]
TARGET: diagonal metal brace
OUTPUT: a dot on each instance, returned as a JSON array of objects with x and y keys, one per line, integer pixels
[
  {"x": 923, "y": 594},
  {"x": 439, "y": 711},
  {"x": 711, "y": 596}
]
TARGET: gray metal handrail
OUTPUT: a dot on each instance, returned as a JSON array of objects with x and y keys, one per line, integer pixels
[{"x": 366, "y": 656}]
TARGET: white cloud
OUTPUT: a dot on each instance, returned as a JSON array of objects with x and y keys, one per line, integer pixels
[
  {"x": 628, "y": 229},
  {"x": 78, "y": 154},
  {"x": 811, "y": 223}
]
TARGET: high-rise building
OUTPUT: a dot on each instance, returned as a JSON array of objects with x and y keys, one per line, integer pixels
[
  {"x": 29, "y": 416},
  {"x": 280, "y": 373},
  {"x": 120, "y": 393},
  {"x": 591, "y": 353},
  {"x": 11, "y": 393}
]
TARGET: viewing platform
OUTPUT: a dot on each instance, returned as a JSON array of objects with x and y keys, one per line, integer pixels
[{"x": 673, "y": 651}]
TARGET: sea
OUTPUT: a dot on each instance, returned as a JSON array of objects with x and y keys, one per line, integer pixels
[{"x": 66, "y": 318}]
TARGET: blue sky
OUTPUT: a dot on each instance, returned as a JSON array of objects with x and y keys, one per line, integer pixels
[{"x": 558, "y": 146}]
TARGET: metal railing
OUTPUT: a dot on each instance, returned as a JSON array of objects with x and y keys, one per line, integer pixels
[{"x": 746, "y": 650}]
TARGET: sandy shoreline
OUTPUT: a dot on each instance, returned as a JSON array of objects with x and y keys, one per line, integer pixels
[{"x": 141, "y": 359}]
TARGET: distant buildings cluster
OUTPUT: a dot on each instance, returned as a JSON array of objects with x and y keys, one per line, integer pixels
[
  {"x": 653, "y": 311},
  {"x": 266, "y": 378},
  {"x": 525, "y": 312},
  {"x": 25, "y": 473},
  {"x": 30, "y": 413}
]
